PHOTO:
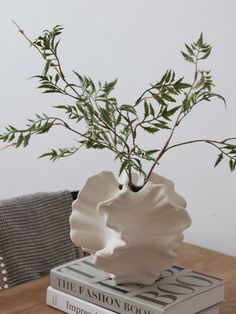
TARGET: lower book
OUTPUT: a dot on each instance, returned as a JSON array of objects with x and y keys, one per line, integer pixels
[{"x": 74, "y": 305}]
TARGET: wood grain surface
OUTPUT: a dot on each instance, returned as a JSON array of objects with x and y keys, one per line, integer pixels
[{"x": 29, "y": 298}]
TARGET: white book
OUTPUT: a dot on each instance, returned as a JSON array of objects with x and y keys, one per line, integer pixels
[
  {"x": 177, "y": 291},
  {"x": 73, "y": 305}
]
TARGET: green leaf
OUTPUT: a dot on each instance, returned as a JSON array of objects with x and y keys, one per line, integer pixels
[
  {"x": 168, "y": 113},
  {"x": 108, "y": 87},
  {"x": 205, "y": 55},
  {"x": 168, "y": 97},
  {"x": 178, "y": 85},
  {"x": 45, "y": 71},
  {"x": 219, "y": 159},
  {"x": 146, "y": 109},
  {"x": 105, "y": 116},
  {"x": 161, "y": 125},
  {"x": 80, "y": 77},
  {"x": 120, "y": 155},
  {"x": 232, "y": 165},
  {"x": 123, "y": 166},
  {"x": 187, "y": 57},
  {"x": 128, "y": 108},
  {"x": 200, "y": 41},
  {"x": 168, "y": 76},
  {"x": 218, "y": 96},
  {"x": 149, "y": 129},
  {"x": 118, "y": 120},
  {"x": 159, "y": 99},
  {"x": 51, "y": 91},
  {"x": 26, "y": 139},
  {"x": 151, "y": 109},
  {"x": 152, "y": 151},
  {"x": 190, "y": 50},
  {"x": 20, "y": 140},
  {"x": 163, "y": 79},
  {"x": 11, "y": 137}
]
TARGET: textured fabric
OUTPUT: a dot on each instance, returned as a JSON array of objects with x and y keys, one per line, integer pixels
[
  {"x": 3, "y": 275},
  {"x": 35, "y": 235}
]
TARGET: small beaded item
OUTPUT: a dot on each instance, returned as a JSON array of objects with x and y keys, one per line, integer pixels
[{"x": 3, "y": 275}]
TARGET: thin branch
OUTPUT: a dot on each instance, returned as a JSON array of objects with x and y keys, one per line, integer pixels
[
  {"x": 57, "y": 69},
  {"x": 7, "y": 146},
  {"x": 208, "y": 141},
  {"x": 177, "y": 122}
]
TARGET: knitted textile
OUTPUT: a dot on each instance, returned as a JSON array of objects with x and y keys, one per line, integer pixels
[{"x": 34, "y": 236}]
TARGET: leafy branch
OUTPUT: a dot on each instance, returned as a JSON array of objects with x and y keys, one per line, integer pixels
[{"x": 100, "y": 122}]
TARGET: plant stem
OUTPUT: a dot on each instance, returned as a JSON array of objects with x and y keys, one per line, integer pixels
[
  {"x": 177, "y": 122},
  {"x": 207, "y": 141},
  {"x": 57, "y": 69},
  {"x": 7, "y": 146}
]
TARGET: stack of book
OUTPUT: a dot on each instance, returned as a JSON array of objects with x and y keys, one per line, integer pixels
[{"x": 79, "y": 287}]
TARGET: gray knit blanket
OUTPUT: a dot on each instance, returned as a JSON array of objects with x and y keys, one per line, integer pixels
[{"x": 34, "y": 236}]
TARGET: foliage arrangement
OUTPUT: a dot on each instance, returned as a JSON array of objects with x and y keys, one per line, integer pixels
[{"x": 100, "y": 122}]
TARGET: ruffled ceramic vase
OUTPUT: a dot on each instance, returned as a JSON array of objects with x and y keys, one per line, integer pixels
[{"x": 132, "y": 235}]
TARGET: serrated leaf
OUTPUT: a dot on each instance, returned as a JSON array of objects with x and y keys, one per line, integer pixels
[
  {"x": 19, "y": 140},
  {"x": 46, "y": 68},
  {"x": 10, "y": 138},
  {"x": 120, "y": 155},
  {"x": 205, "y": 55},
  {"x": 118, "y": 120},
  {"x": 108, "y": 87},
  {"x": 232, "y": 165},
  {"x": 159, "y": 99},
  {"x": 57, "y": 77},
  {"x": 168, "y": 97},
  {"x": 150, "y": 129},
  {"x": 187, "y": 57},
  {"x": 190, "y": 50},
  {"x": 80, "y": 77},
  {"x": 146, "y": 109},
  {"x": 105, "y": 116},
  {"x": 161, "y": 125},
  {"x": 152, "y": 151},
  {"x": 65, "y": 107},
  {"x": 168, "y": 76},
  {"x": 128, "y": 108},
  {"x": 200, "y": 41},
  {"x": 218, "y": 96},
  {"x": 49, "y": 154},
  {"x": 51, "y": 91},
  {"x": 184, "y": 85},
  {"x": 123, "y": 166},
  {"x": 26, "y": 139},
  {"x": 219, "y": 159},
  {"x": 168, "y": 113},
  {"x": 151, "y": 109},
  {"x": 163, "y": 79},
  {"x": 50, "y": 86}
]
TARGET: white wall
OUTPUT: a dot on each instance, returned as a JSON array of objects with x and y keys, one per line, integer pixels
[{"x": 136, "y": 41}]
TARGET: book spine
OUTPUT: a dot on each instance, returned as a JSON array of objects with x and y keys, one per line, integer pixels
[
  {"x": 72, "y": 305},
  {"x": 106, "y": 299}
]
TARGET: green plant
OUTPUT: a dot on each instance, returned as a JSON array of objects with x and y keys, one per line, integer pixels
[{"x": 101, "y": 123}]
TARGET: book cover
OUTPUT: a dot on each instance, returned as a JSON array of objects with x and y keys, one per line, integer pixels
[
  {"x": 178, "y": 290},
  {"x": 73, "y": 305}
]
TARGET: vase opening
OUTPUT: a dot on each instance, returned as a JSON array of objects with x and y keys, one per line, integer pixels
[{"x": 135, "y": 188}]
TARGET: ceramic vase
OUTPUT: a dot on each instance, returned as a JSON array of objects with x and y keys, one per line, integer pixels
[{"x": 131, "y": 235}]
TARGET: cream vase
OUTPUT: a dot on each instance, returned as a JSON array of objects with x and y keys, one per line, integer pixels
[{"x": 132, "y": 235}]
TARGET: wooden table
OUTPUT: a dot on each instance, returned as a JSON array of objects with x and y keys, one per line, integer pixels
[{"x": 29, "y": 298}]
